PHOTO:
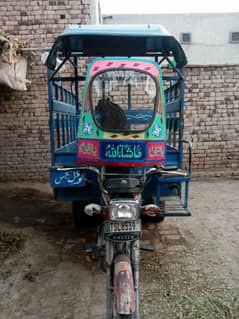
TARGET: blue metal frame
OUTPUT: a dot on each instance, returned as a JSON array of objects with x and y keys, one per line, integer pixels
[{"x": 64, "y": 112}]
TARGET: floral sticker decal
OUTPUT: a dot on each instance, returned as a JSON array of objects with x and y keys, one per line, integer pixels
[
  {"x": 88, "y": 128},
  {"x": 157, "y": 130}
]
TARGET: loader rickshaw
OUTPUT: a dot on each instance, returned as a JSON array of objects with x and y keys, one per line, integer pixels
[{"x": 117, "y": 142}]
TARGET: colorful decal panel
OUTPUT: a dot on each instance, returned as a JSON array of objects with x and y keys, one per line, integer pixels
[
  {"x": 157, "y": 129},
  {"x": 69, "y": 178},
  {"x": 88, "y": 149},
  {"x": 124, "y": 136},
  {"x": 156, "y": 151},
  {"x": 121, "y": 150},
  {"x": 88, "y": 129}
]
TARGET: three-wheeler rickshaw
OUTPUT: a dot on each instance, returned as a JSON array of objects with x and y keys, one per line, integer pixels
[{"x": 117, "y": 145}]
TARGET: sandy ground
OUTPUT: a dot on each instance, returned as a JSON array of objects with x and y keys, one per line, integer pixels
[{"x": 52, "y": 277}]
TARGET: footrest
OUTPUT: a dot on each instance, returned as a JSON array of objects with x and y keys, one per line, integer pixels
[
  {"x": 90, "y": 247},
  {"x": 172, "y": 206}
]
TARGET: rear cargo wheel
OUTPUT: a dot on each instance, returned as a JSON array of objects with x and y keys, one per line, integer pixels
[
  {"x": 78, "y": 213},
  {"x": 80, "y": 219},
  {"x": 157, "y": 219}
]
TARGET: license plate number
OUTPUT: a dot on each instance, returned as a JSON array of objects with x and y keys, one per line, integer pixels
[{"x": 122, "y": 226}]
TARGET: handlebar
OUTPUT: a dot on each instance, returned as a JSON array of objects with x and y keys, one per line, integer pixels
[
  {"x": 99, "y": 179},
  {"x": 159, "y": 171},
  {"x": 98, "y": 174},
  {"x": 165, "y": 171}
]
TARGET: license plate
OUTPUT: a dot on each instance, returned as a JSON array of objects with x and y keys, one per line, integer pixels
[{"x": 122, "y": 226}]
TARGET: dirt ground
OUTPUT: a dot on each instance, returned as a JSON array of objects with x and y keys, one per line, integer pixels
[{"x": 46, "y": 274}]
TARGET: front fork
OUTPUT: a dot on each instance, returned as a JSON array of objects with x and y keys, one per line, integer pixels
[
  {"x": 132, "y": 259},
  {"x": 109, "y": 254},
  {"x": 135, "y": 266}
]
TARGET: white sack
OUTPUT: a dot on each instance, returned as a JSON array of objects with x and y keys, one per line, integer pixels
[{"x": 14, "y": 75}]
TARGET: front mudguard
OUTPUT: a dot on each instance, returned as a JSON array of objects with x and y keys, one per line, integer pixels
[{"x": 124, "y": 290}]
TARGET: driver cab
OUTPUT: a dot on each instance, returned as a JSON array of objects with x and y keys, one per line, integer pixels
[{"x": 122, "y": 122}]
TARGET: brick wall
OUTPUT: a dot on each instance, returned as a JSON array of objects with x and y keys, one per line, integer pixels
[
  {"x": 212, "y": 118},
  {"x": 212, "y": 99},
  {"x": 24, "y": 136}
]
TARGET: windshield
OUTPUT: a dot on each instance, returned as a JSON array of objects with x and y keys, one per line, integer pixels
[{"x": 123, "y": 100}]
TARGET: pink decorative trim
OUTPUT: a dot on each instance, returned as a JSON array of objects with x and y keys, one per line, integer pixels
[{"x": 102, "y": 65}]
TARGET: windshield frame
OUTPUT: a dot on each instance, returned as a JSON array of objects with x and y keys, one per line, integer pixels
[{"x": 155, "y": 105}]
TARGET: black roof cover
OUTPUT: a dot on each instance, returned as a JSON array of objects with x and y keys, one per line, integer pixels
[{"x": 116, "y": 40}]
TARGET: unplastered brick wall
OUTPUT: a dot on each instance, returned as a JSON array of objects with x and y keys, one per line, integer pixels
[
  {"x": 24, "y": 135},
  {"x": 212, "y": 119}
]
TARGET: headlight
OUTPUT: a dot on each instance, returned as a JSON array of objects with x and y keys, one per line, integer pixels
[{"x": 124, "y": 210}]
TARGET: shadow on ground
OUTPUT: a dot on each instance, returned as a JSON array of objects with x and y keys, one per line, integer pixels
[{"x": 28, "y": 207}]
